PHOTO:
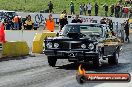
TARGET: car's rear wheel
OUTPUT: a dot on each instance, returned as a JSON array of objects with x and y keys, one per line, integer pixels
[
  {"x": 113, "y": 60},
  {"x": 52, "y": 60}
]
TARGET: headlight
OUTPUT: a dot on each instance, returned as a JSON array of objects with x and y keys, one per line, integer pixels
[
  {"x": 49, "y": 45},
  {"x": 91, "y": 46},
  {"x": 83, "y": 46},
  {"x": 56, "y": 45}
]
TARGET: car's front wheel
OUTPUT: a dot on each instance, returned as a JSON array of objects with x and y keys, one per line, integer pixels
[
  {"x": 96, "y": 62},
  {"x": 113, "y": 60},
  {"x": 52, "y": 60}
]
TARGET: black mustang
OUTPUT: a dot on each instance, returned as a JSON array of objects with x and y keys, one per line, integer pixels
[{"x": 80, "y": 43}]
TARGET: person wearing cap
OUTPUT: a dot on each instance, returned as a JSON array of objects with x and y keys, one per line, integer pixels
[
  {"x": 72, "y": 8},
  {"x": 76, "y": 20},
  {"x": 49, "y": 23}
]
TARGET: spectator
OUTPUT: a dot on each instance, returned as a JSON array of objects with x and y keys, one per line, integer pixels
[
  {"x": 84, "y": 9},
  {"x": 11, "y": 22},
  {"x": 112, "y": 10},
  {"x": 63, "y": 22},
  {"x": 106, "y": 9},
  {"x": 16, "y": 22},
  {"x": 81, "y": 9},
  {"x": 120, "y": 1},
  {"x": 126, "y": 28},
  {"x": 50, "y": 7},
  {"x": 125, "y": 12},
  {"x": 29, "y": 23},
  {"x": 121, "y": 11},
  {"x": 24, "y": 22},
  {"x": 103, "y": 21},
  {"x": 89, "y": 8},
  {"x": 62, "y": 15},
  {"x": 128, "y": 1},
  {"x": 7, "y": 22},
  {"x": 130, "y": 16},
  {"x": 20, "y": 23},
  {"x": 96, "y": 9},
  {"x": 49, "y": 23},
  {"x": 65, "y": 12},
  {"x": 76, "y": 20},
  {"x": 72, "y": 8},
  {"x": 117, "y": 10}
]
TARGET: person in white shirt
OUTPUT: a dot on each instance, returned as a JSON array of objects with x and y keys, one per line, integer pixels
[{"x": 89, "y": 8}]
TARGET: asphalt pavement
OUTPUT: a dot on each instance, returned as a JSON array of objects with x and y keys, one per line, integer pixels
[{"x": 35, "y": 72}]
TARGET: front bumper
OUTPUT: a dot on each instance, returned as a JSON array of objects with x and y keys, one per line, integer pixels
[{"x": 70, "y": 53}]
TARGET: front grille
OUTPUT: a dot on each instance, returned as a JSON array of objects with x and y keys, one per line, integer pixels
[
  {"x": 75, "y": 45},
  {"x": 69, "y": 45},
  {"x": 64, "y": 45}
]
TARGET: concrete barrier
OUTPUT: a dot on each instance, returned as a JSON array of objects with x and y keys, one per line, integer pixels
[
  {"x": 17, "y": 35},
  {"x": 14, "y": 49},
  {"x": 39, "y": 40}
]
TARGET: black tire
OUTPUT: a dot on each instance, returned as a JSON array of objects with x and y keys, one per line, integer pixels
[
  {"x": 113, "y": 60},
  {"x": 96, "y": 62},
  {"x": 52, "y": 61},
  {"x": 80, "y": 79}
]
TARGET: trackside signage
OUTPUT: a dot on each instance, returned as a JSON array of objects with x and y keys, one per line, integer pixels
[{"x": 41, "y": 17}]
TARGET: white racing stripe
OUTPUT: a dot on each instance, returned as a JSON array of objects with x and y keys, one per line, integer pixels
[{"x": 127, "y": 84}]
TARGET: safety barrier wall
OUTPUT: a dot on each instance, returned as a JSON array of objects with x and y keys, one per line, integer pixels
[
  {"x": 39, "y": 41},
  {"x": 17, "y": 35},
  {"x": 14, "y": 49}
]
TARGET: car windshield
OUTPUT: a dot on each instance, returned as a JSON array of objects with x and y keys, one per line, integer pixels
[
  {"x": 71, "y": 29},
  {"x": 84, "y": 29}
]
